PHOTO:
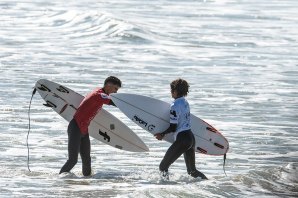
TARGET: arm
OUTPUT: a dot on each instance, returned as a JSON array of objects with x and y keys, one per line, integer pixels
[
  {"x": 106, "y": 99},
  {"x": 173, "y": 123},
  {"x": 172, "y": 128},
  {"x": 112, "y": 103}
]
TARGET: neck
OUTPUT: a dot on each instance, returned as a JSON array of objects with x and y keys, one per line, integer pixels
[{"x": 104, "y": 90}]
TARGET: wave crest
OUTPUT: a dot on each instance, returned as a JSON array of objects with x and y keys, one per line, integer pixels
[{"x": 74, "y": 24}]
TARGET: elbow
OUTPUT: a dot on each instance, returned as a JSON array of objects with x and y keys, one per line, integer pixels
[{"x": 173, "y": 127}]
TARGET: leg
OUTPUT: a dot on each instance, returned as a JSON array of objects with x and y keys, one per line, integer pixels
[
  {"x": 174, "y": 152},
  {"x": 189, "y": 157},
  {"x": 74, "y": 138},
  {"x": 85, "y": 155}
]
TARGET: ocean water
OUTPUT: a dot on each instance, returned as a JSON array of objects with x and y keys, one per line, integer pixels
[{"x": 239, "y": 56}]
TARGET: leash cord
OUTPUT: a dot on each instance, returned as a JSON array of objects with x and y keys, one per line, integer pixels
[
  {"x": 29, "y": 127},
  {"x": 225, "y": 157}
]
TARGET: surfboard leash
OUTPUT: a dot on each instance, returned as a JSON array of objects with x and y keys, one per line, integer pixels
[
  {"x": 29, "y": 127},
  {"x": 224, "y": 163}
]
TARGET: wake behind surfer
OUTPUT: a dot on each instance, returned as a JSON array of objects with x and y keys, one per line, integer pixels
[{"x": 78, "y": 136}]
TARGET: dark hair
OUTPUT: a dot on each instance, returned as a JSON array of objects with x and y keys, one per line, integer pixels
[
  {"x": 114, "y": 80},
  {"x": 181, "y": 86}
]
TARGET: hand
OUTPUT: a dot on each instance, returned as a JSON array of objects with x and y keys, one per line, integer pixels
[{"x": 159, "y": 136}]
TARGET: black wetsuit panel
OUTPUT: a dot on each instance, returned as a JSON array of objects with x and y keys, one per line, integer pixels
[
  {"x": 184, "y": 144},
  {"x": 77, "y": 143}
]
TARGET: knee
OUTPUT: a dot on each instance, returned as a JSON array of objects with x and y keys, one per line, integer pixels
[{"x": 73, "y": 162}]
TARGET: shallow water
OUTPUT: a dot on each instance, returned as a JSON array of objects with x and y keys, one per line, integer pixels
[{"x": 240, "y": 58}]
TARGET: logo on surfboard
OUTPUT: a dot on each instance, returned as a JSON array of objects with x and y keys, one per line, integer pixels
[
  {"x": 105, "y": 135},
  {"x": 150, "y": 127}
]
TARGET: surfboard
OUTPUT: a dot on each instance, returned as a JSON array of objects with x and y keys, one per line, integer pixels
[
  {"x": 104, "y": 126},
  {"x": 153, "y": 115}
]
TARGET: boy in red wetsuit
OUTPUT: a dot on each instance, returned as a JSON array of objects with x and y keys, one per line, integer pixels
[{"x": 78, "y": 137}]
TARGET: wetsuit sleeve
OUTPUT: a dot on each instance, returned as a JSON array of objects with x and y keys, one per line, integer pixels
[
  {"x": 173, "y": 121},
  {"x": 112, "y": 103},
  {"x": 172, "y": 128}
]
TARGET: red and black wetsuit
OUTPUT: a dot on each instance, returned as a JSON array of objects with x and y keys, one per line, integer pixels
[
  {"x": 78, "y": 136},
  {"x": 89, "y": 107}
]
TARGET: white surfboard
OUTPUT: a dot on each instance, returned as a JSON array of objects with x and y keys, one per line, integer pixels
[
  {"x": 104, "y": 127},
  {"x": 153, "y": 115}
]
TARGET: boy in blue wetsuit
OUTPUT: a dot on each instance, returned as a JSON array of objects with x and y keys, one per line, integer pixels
[{"x": 180, "y": 124}]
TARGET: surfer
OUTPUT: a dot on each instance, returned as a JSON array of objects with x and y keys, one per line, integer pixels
[
  {"x": 180, "y": 124},
  {"x": 78, "y": 136}
]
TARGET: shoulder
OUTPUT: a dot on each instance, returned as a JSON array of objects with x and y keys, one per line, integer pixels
[
  {"x": 101, "y": 93},
  {"x": 104, "y": 96},
  {"x": 180, "y": 101},
  {"x": 174, "y": 104}
]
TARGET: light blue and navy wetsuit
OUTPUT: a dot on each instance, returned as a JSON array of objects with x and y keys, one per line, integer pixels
[{"x": 180, "y": 123}]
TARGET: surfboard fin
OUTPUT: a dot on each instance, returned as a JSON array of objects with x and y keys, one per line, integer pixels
[
  {"x": 44, "y": 88},
  {"x": 62, "y": 89},
  {"x": 50, "y": 104}
]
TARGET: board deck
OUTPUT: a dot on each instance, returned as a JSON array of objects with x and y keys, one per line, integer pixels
[
  {"x": 153, "y": 115},
  {"x": 104, "y": 126}
]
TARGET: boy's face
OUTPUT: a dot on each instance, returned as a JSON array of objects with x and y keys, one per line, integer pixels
[{"x": 111, "y": 88}]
